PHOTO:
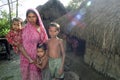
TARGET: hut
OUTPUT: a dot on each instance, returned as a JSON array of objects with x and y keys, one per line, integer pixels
[{"x": 97, "y": 22}]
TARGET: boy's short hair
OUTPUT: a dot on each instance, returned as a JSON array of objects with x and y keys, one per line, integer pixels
[
  {"x": 18, "y": 19},
  {"x": 43, "y": 46},
  {"x": 54, "y": 24}
]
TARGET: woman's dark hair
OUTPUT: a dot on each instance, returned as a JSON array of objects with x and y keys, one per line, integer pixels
[
  {"x": 32, "y": 11},
  {"x": 43, "y": 46}
]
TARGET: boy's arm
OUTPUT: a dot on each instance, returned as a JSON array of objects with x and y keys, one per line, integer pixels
[
  {"x": 37, "y": 63},
  {"x": 63, "y": 53},
  {"x": 44, "y": 63}
]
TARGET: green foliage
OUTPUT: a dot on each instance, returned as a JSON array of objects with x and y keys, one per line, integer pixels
[
  {"x": 74, "y": 4},
  {"x": 4, "y": 27},
  {"x": 4, "y": 24}
]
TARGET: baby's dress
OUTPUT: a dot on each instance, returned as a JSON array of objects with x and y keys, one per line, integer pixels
[{"x": 14, "y": 37}]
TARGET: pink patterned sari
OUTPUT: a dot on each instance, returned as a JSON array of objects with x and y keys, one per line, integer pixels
[{"x": 30, "y": 38}]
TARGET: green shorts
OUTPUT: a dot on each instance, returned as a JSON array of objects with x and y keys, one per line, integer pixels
[{"x": 54, "y": 65}]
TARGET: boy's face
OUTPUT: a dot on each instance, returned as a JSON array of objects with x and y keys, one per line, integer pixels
[
  {"x": 16, "y": 25},
  {"x": 53, "y": 32},
  {"x": 40, "y": 52}
]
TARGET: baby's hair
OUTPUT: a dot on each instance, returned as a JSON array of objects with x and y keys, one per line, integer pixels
[
  {"x": 17, "y": 19},
  {"x": 54, "y": 24},
  {"x": 43, "y": 46}
]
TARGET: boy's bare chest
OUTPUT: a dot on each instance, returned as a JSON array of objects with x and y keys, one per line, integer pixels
[{"x": 54, "y": 43}]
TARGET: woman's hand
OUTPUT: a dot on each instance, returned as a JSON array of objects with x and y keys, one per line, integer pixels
[{"x": 31, "y": 61}]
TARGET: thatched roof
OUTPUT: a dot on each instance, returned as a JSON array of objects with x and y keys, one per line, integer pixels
[
  {"x": 102, "y": 17},
  {"x": 51, "y": 10},
  {"x": 98, "y": 24},
  {"x": 100, "y": 29}
]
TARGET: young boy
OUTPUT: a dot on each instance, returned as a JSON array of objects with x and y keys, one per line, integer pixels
[
  {"x": 42, "y": 61},
  {"x": 14, "y": 37},
  {"x": 56, "y": 52}
]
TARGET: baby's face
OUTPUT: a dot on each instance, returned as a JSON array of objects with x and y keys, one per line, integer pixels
[
  {"x": 16, "y": 25},
  {"x": 40, "y": 52}
]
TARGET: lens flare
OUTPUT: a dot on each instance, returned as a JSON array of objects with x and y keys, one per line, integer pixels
[
  {"x": 89, "y": 3},
  {"x": 75, "y": 20}
]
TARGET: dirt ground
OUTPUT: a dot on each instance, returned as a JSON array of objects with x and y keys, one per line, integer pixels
[
  {"x": 84, "y": 71},
  {"x": 10, "y": 70}
]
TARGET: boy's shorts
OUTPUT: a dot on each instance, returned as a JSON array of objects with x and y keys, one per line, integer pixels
[{"x": 54, "y": 65}]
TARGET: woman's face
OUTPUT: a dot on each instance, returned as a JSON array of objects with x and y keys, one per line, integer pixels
[
  {"x": 40, "y": 52},
  {"x": 32, "y": 18}
]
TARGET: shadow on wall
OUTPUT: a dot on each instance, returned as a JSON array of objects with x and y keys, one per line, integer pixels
[
  {"x": 78, "y": 46},
  {"x": 81, "y": 47}
]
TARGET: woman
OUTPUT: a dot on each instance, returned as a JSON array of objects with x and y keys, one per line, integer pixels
[{"x": 33, "y": 33}]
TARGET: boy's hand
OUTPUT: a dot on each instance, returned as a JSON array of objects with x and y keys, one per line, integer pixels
[
  {"x": 60, "y": 71},
  {"x": 34, "y": 62}
]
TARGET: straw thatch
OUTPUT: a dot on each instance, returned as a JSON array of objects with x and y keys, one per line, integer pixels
[
  {"x": 98, "y": 24},
  {"x": 51, "y": 10},
  {"x": 102, "y": 25}
]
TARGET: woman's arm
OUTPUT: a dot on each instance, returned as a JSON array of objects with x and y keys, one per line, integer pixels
[{"x": 23, "y": 51}]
